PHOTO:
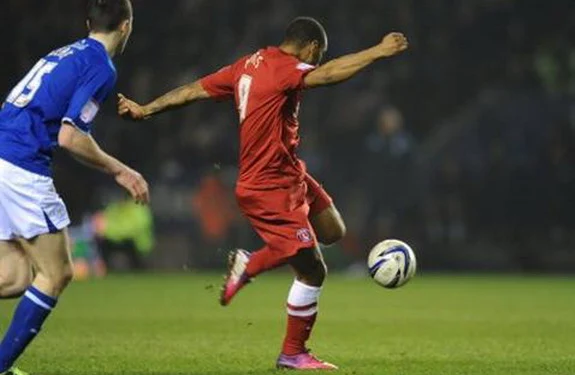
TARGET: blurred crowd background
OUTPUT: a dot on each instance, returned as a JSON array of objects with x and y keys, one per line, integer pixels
[{"x": 464, "y": 146}]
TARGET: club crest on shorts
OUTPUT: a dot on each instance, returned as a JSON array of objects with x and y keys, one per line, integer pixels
[{"x": 304, "y": 235}]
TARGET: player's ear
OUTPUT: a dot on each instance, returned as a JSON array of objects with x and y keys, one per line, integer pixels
[
  {"x": 88, "y": 26},
  {"x": 125, "y": 26}
]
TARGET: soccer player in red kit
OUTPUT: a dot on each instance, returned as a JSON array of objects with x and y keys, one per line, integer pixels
[{"x": 289, "y": 210}]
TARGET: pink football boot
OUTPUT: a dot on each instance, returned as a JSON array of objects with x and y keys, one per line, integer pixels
[
  {"x": 303, "y": 361},
  {"x": 236, "y": 278}
]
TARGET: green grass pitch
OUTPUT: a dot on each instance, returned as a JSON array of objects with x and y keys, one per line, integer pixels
[{"x": 440, "y": 325}]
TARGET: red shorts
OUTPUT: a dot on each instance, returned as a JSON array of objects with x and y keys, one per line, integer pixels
[{"x": 281, "y": 216}]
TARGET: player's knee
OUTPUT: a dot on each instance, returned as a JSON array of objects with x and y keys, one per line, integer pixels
[
  {"x": 64, "y": 278},
  {"x": 335, "y": 234},
  {"x": 55, "y": 281}
]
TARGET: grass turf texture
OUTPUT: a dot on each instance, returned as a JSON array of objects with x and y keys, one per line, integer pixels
[{"x": 172, "y": 325}]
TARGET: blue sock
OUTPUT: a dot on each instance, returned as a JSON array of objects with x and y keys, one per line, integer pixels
[{"x": 32, "y": 311}]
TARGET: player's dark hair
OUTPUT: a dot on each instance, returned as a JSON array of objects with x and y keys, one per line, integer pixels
[
  {"x": 304, "y": 30},
  {"x": 108, "y": 15}
]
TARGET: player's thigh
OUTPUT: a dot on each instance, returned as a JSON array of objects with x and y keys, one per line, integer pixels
[
  {"x": 316, "y": 196},
  {"x": 51, "y": 258},
  {"x": 15, "y": 270},
  {"x": 326, "y": 220}
]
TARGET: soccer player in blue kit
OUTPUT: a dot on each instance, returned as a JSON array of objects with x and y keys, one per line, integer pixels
[{"x": 54, "y": 105}]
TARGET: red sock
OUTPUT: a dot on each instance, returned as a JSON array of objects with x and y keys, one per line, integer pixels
[
  {"x": 302, "y": 313},
  {"x": 263, "y": 260},
  {"x": 298, "y": 332}
]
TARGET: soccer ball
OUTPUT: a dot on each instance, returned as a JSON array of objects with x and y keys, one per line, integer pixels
[{"x": 391, "y": 263}]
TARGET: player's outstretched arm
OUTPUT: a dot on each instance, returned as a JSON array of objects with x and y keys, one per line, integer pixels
[
  {"x": 84, "y": 148},
  {"x": 345, "y": 67},
  {"x": 179, "y": 97}
]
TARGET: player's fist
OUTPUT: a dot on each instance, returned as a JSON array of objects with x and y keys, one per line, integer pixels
[
  {"x": 135, "y": 184},
  {"x": 392, "y": 44},
  {"x": 130, "y": 109}
]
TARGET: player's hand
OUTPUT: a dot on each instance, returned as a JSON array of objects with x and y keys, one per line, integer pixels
[
  {"x": 135, "y": 184},
  {"x": 392, "y": 44},
  {"x": 130, "y": 109}
]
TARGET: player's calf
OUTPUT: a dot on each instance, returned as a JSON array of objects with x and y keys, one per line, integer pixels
[{"x": 302, "y": 308}]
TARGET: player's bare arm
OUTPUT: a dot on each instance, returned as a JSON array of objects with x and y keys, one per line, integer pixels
[
  {"x": 84, "y": 148},
  {"x": 182, "y": 96},
  {"x": 343, "y": 68}
]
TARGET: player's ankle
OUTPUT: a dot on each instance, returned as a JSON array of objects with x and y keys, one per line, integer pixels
[{"x": 291, "y": 350}]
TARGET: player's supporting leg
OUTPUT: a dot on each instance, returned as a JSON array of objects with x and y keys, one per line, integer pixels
[
  {"x": 50, "y": 257},
  {"x": 15, "y": 270},
  {"x": 302, "y": 308}
]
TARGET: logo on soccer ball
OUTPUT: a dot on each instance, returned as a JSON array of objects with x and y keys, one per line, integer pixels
[{"x": 304, "y": 235}]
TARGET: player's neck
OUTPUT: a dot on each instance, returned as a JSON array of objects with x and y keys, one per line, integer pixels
[
  {"x": 108, "y": 40},
  {"x": 290, "y": 49}
]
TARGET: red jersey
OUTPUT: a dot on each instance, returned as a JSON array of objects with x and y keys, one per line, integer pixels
[{"x": 266, "y": 87}]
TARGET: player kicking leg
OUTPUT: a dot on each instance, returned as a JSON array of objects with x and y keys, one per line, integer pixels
[{"x": 327, "y": 224}]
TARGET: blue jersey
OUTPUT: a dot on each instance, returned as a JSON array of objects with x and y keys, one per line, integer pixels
[{"x": 68, "y": 85}]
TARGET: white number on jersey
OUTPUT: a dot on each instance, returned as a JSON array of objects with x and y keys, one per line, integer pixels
[
  {"x": 244, "y": 86},
  {"x": 31, "y": 83}
]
